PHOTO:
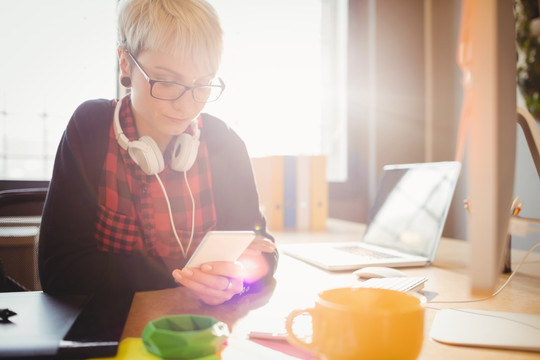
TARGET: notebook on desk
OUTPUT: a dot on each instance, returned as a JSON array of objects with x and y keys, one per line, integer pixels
[
  {"x": 405, "y": 225},
  {"x": 71, "y": 327}
]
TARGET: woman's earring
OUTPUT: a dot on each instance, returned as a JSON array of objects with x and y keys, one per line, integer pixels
[{"x": 125, "y": 81}]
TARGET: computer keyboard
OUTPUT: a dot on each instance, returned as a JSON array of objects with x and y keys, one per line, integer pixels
[
  {"x": 403, "y": 284},
  {"x": 371, "y": 254}
]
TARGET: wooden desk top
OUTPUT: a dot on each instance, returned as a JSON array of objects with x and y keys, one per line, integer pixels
[{"x": 297, "y": 284}]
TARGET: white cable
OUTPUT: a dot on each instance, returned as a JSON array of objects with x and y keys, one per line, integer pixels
[
  {"x": 516, "y": 269},
  {"x": 186, "y": 251},
  {"x": 192, "y": 214},
  {"x": 500, "y": 288}
]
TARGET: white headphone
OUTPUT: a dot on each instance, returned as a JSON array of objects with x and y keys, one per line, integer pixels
[{"x": 145, "y": 152}]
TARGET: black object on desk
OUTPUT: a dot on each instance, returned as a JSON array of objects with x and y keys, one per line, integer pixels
[
  {"x": 50, "y": 327},
  {"x": 5, "y": 314}
]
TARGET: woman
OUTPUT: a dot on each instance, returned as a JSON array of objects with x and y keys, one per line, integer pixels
[{"x": 138, "y": 182}]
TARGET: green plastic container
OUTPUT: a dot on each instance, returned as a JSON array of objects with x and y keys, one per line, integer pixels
[{"x": 184, "y": 336}]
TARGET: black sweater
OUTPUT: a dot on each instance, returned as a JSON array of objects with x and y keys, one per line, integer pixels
[{"x": 68, "y": 258}]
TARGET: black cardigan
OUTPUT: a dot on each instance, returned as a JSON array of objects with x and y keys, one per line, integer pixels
[{"x": 68, "y": 258}]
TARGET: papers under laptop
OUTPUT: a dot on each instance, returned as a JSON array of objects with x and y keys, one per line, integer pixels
[{"x": 405, "y": 226}]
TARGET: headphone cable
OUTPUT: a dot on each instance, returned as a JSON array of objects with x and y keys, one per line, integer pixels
[{"x": 186, "y": 251}]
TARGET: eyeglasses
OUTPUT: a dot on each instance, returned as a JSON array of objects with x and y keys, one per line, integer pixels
[{"x": 167, "y": 90}]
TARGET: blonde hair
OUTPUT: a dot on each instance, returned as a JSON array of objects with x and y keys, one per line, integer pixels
[{"x": 189, "y": 27}]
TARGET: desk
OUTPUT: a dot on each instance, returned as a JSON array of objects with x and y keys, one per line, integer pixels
[{"x": 297, "y": 284}]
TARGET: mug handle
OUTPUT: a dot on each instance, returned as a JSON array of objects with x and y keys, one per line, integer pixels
[{"x": 291, "y": 337}]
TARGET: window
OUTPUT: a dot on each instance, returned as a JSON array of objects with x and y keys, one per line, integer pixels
[
  {"x": 285, "y": 69},
  {"x": 55, "y": 55},
  {"x": 284, "y": 66}
]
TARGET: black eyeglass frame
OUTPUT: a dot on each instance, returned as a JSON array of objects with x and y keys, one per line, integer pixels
[{"x": 186, "y": 88}]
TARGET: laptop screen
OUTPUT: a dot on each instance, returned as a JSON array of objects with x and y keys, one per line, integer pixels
[{"x": 411, "y": 206}]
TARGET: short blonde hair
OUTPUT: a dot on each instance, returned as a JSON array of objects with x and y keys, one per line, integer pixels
[{"x": 172, "y": 26}]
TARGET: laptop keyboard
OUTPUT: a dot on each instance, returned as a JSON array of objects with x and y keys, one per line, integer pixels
[
  {"x": 403, "y": 284},
  {"x": 371, "y": 254}
]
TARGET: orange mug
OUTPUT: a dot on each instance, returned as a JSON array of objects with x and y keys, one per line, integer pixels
[{"x": 363, "y": 323}]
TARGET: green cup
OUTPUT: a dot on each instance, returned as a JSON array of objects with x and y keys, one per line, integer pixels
[{"x": 184, "y": 336}]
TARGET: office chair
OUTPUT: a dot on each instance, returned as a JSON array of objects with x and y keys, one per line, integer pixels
[
  {"x": 22, "y": 202},
  {"x": 7, "y": 284}
]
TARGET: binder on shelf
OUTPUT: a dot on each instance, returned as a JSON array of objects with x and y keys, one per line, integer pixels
[
  {"x": 268, "y": 173},
  {"x": 289, "y": 192},
  {"x": 319, "y": 193},
  {"x": 303, "y": 193},
  {"x": 293, "y": 191}
]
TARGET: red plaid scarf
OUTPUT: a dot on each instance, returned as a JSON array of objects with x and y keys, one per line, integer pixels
[{"x": 133, "y": 213}]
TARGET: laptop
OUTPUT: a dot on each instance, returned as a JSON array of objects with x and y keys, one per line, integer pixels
[
  {"x": 63, "y": 327},
  {"x": 405, "y": 225}
]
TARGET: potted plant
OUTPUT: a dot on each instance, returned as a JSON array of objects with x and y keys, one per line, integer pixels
[{"x": 528, "y": 52}]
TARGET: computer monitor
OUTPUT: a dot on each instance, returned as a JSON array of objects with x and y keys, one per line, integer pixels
[{"x": 490, "y": 35}]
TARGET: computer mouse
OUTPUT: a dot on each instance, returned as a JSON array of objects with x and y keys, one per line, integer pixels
[{"x": 378, "y": 272}]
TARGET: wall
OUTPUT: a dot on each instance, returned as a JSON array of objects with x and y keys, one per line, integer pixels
[
  {"x": 405, "y": 99},
  {"x": 446, "y": 101},
  {"x": 386, "y": 98}
]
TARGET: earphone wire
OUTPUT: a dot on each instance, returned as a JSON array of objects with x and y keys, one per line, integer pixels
[
  {"x": 186, "y": 251},
  {"x": 192, "y": 212}
]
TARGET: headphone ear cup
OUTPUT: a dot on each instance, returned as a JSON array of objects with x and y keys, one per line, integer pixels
[
  {"x": 147, "y": 155},
  {"x": 184, "y": 152}
]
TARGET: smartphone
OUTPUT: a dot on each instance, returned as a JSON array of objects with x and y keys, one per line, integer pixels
[{"x": 221, "y": 246}]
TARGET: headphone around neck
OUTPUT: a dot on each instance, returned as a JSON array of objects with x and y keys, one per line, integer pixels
[{"x": 146, "y": 153}]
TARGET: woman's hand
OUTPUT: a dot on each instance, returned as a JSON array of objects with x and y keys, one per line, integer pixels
[
  {"x": 259, "y": 245},
  {"x": 216, "y": 282}
]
